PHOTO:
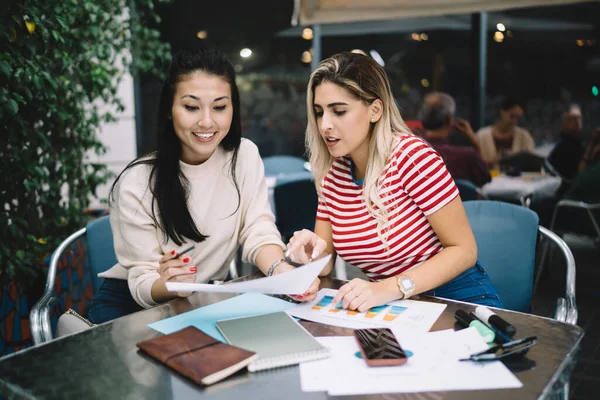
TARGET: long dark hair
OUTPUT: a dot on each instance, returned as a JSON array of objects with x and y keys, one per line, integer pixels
[{"x": 168, "y": 184}]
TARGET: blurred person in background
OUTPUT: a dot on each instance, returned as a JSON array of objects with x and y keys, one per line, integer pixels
[
  {"x": 505, "y": 137},
  {"x": 463, "y": 162},
  {"x": 591, "y": 155},
  {"x": 586, "y": 186},
  {"x": 567, "y": 154}
]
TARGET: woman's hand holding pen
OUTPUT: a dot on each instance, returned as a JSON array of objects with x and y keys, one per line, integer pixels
[{"x": 175, "y": 267}]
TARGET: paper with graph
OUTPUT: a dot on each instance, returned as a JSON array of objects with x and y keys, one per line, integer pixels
[{"x": 409, "y": 314}]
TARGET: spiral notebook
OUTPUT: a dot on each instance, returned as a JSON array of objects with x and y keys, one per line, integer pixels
[{"x": 277, "y": 339}]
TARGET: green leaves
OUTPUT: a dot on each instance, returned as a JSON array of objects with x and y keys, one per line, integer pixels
[
  {"x": 12, "y": 107},
  {"x": 58, "y": 62},
  {"x": 5, "y": 69}
]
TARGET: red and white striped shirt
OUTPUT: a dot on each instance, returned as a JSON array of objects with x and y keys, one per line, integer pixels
[{"x": 415, "y": 183}]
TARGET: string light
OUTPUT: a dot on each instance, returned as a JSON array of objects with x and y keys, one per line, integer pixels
[{"x": 307, "y": 34}]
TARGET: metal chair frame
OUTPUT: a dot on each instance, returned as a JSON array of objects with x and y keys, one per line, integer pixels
[
  {"x": 566, "y": 307},
  {"x": 589, "y": 208},
  {"x": 39, "y": 317}
]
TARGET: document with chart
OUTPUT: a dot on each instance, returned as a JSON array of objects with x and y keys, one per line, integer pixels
[{"x": 409, "y": 314}]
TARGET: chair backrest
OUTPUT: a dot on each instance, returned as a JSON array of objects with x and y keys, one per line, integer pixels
[
  {"x": 467, "y": 189},
  {"x": 506, "y": 236},
  {"x": 101, "y": 250},
  {"x": 277, "y": 165},
  {"x": 295, "y": 203}
]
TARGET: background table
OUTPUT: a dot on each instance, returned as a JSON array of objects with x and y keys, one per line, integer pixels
[
  {"x": 104, "y": 363},
  {"x": 515, "y": 189}
]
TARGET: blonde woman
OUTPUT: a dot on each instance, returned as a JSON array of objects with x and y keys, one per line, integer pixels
[{"x": 387, "y": 203}]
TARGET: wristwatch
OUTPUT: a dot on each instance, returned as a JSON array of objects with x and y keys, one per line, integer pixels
[{"x": 406, "y": 286}]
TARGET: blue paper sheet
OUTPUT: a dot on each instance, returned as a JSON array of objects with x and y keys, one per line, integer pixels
[{"x": 205, "y": 318}]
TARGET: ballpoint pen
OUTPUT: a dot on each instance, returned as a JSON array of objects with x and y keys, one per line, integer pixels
[{"x": 186, "y": 251}]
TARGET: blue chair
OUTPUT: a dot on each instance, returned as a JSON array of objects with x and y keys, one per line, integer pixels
[
  {"x": 468, "y": 191},
  {"x": 283, "y": 165},
  {"x": 507, "y": 240},
  {"x": 100, "y": 257},
  {"x": 296, "y": 203}
]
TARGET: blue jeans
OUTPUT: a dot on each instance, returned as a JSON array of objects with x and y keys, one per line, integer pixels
[
  {"x": 112, "y": 300},
  {"x": 472, "y": 286}
]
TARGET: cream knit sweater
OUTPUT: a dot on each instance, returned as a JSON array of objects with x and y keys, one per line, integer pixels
[
  {"x": 212, "y": 201},
  {"x": 522, "y": 142}
]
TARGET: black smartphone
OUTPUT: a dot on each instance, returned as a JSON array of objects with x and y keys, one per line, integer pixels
[{"x": 379, "y": 347}]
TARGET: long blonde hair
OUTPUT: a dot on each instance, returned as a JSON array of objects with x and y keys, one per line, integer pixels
[{"x": 367, "y": 81}]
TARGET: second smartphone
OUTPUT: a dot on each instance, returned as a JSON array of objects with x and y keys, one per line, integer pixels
[{"x": 379, "y": 347}]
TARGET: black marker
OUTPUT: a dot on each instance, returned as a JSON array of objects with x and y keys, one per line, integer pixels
[
  {"x": 467, "y": 320},
  {"x": 492, "y": 319},
  {"x": 500, "y": 336}
]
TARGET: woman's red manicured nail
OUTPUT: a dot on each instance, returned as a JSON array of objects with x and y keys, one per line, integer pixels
[
  {"x": 299, "y": 296},
  {"x": 194, "y": 269},
  {"x": 173, "y": 252},
  {"x": 187, "y": 259}
]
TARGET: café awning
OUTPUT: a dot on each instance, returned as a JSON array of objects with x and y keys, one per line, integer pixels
[{"x": 308, "y": 12}]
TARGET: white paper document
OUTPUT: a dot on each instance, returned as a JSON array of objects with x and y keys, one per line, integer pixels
[
  {"x": 432, "y": 366},
  {"x": 409, "y": 314},
  {"x": 296, "y": 281}
]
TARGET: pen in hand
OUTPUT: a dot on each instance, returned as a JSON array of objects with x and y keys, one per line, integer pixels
[{"x": 186, "y": 251}]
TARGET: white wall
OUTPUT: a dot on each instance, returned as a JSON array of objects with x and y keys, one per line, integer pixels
[{"x": 119, "y": 138}]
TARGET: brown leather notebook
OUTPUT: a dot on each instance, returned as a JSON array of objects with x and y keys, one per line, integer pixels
[{"x": 198, "y": 356}]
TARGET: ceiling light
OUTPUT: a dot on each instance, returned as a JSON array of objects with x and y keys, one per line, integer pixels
[
  {"x": 307, "y": 34},
  {"x": 245, "y": 52},
  {"x": 306, "y": 57}
]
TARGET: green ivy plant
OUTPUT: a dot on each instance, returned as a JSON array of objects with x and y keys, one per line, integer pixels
[{"x": 60, "y": 61}]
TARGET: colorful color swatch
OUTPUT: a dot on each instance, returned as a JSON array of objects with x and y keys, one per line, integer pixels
[
  {"x": 375, "y": 310},
  {"x": 352, "y": 312},
  {"x": 393, "y": 312},
  {"x": 337, "y": 308},
  {"x": 325, "y": 301}
]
